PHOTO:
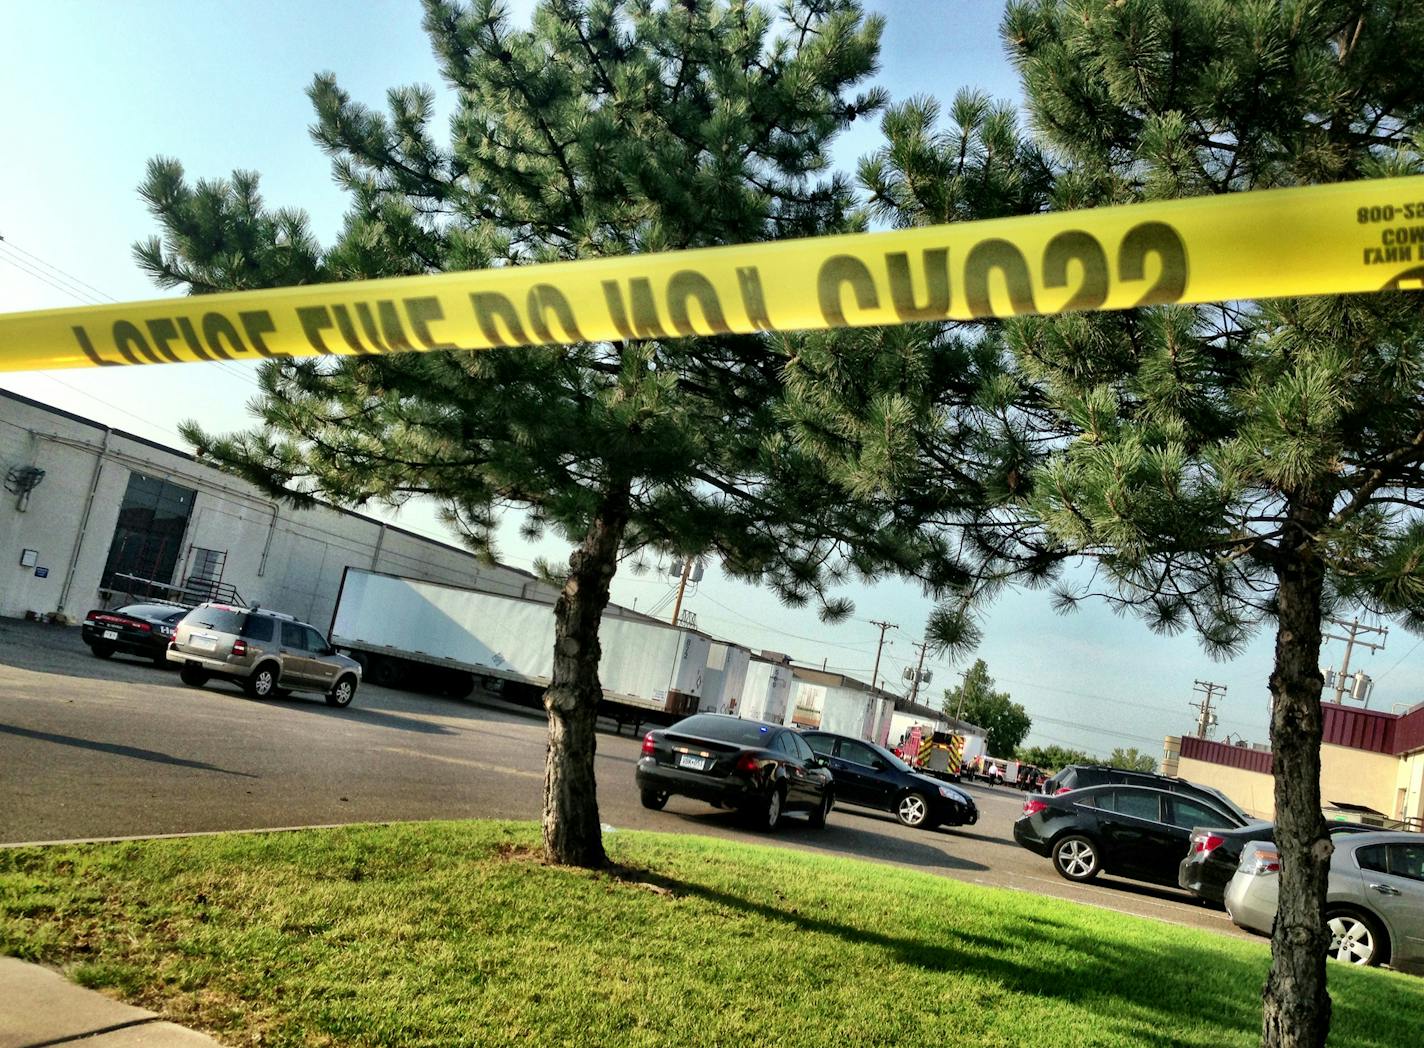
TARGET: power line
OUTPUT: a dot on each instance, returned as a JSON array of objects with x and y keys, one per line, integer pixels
[
  {"x": 50, "y": 265},
  {"x": 43, "y": 278},
  {"x": 230, "y": 367},
  {"x": 1401, "y": 662}
]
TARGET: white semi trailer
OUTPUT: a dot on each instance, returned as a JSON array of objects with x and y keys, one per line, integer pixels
[{"x": 409, "y": 632}]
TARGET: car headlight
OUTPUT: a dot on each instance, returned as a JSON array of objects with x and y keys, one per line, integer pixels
[{"x": 953, "y": 795}]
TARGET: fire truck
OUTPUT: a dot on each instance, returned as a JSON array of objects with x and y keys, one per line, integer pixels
[{"x": 937, "y": 753}]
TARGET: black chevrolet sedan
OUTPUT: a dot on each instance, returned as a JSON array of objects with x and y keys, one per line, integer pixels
[
  {"x": 872, "y": 777},
  {"x": 762, "y": 770},
  {"x": 1130, "y": 831},
  {"x": 136, "y": 629}
]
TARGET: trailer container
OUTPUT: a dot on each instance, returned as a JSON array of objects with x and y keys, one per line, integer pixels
[{"x": 413, "y": 633}]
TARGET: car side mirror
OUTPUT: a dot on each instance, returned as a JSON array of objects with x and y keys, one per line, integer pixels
[
  {"x": 820, "y": 762},
  {"x": 879, "y": 765}
]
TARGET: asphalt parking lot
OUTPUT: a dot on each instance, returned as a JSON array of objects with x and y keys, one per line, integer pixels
[{"x": 92, "y": 749}]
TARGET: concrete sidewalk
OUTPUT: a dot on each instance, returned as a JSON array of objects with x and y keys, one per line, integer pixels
[{"x": 40, "y": 1007}]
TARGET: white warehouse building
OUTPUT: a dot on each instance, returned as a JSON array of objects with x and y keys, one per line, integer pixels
[{"x": 88, "y": 509}]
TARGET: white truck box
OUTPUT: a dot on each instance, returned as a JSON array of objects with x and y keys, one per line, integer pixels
[{"x": 642, "y": 664}]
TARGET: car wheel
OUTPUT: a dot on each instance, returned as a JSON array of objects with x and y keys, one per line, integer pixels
[
  {"x": 912, "y": 809},
  {"x": 1355, "y": 938},
  {"x": 654, "y": 800},
  {"x": 263, "y": 681},
  {"x": 771, "y": 812},
  {"x": 819, "y": 816},
  {"x": 161, "y": 659},
  {"x": 101, "y": 651},
  {"x": 1076, "y": 858},
  {"x": 193, "y": 676},
  {"x": 342, "y": 694}
]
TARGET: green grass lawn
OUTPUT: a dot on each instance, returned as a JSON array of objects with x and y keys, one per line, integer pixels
[{"x": 454, "y": 934}]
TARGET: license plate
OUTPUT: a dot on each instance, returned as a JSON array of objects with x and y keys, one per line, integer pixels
[
  {"x": 688, "y": 760},
  {"x": 111, "y": 635},
  {"x": 205, "y": 643}
]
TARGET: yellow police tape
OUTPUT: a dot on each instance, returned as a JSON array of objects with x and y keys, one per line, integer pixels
[{"x": 1348, "y": 237}]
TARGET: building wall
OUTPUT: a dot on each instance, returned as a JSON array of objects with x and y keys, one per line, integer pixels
[
  {"x": 1346, "y": 775},
  {"x": 1409, "y": 787},
  {"x": 280, "y": 557},
  {"x": 1253, "y": 790},
  {"x": 1358, "y": 777}
]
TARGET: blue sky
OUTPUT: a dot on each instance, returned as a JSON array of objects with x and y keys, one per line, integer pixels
[{"x": 94, "y": 90}]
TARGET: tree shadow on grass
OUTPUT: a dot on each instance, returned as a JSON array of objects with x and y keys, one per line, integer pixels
[{"x": 1155, "y": 986}]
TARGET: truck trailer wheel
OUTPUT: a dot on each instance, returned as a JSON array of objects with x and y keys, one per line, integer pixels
[{"x": 385, "y": 673}]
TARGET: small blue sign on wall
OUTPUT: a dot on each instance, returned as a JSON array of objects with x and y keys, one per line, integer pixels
[{"x": 42, "y": 573}]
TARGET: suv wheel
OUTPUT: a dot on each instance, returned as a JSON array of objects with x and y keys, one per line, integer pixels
[
  {"x": 193, "y": 676},
  {"x": 343, "y": 692},
  {"x": 263, "y": 682}
]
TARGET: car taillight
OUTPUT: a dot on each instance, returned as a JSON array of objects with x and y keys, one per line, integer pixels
[
  {"x": 648, "y": 746},
  {"x": 1206, "y": 842},
  {"x": 1033, "y": 806},
  {"x": 239, "y": 647},
  {"x": 1260, "y": 861},
  {"x": 748, "y": 765},
  {"x": 144, "y": 627},
  {"x": 1061, "y": 789},
  {"x": 93, "y": 616}
]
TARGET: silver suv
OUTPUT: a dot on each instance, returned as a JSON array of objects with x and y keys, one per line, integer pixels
[{"x": 268, "y": 653}]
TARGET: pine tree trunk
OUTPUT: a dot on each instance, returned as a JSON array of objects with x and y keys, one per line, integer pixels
[
  {"x": 572, "y": 833},
  {"x": 1297, "y": 1006}
]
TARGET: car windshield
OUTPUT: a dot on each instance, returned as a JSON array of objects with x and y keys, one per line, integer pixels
[
  {"x": 725, "y": 729},
  {"x": 894, "y": 761},
  {"x": 224, "y": 620}
]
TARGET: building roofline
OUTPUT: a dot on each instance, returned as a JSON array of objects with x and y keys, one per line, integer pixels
[{"x": 190, "y": 457}]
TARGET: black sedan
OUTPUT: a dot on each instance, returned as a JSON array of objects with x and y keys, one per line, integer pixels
[
  {"x": 1130, "y": 831},
  {"x": 136, "y": 629},
  {"x": 872, "y": 777},
  {"x": 762, "y": 770},
  {"x": 1216, "y": 852}
]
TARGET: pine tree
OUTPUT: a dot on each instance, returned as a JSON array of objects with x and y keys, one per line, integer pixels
[
  {"x": 1222, "y": 468},
  {"x": 608, "y": 127}
]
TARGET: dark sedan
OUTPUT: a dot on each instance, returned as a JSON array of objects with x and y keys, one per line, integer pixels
[
  {"x": 1130, "y": 831},
  {"x": 135, "y": 629},
  {"x": 872, "y": 777},
  {"x": 1215, "y": 853},
  {"x": 762, "y": 770}
]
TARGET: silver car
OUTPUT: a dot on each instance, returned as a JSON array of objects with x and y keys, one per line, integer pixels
[
  {"x": 1374, "y": 902},
  {"x": 266, "y": 652}
]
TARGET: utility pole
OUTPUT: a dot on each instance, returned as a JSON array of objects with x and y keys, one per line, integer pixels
[
  {"x": 681, "y": 586},
  {"x": 1355, "y": 629},
  {"x": 919, "y": 666},
  {"x": 875, "y": 673},
  {"x": 963, "y": 687},
  {"x": 1206, "y": 719}
]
